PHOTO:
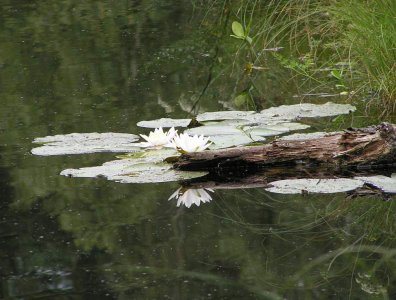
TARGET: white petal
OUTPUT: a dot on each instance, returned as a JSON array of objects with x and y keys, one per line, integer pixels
[{"x": 175, "y": 194}]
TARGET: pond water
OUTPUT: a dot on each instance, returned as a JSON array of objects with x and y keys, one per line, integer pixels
[{"x": 89, "y": 66}]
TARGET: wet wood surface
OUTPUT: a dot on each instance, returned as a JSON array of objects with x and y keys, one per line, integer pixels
[{"x": 355, "y": 147}]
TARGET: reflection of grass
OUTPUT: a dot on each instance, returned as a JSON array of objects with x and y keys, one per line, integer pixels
[
  {"x": 131, "y": 271},
  {"x": 359, "y": 262},
  {"x": 329, "y": 238}
]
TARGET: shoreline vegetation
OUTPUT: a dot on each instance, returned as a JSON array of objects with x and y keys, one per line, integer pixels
[{"x": 345, "y": 48}]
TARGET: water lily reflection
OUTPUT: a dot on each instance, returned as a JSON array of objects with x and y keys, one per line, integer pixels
[
  {"x": 158, "y": 138},
  {"x": 191, "y": 196}
]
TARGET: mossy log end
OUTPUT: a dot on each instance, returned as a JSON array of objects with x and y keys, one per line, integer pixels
[{"x": 354, "y": 147}]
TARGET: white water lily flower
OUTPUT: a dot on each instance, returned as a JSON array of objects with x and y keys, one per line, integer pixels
[
  {"x": 159, "y": 138},
  {"x": 191, "y": 196},
  {"x": 187, "y": 143}
]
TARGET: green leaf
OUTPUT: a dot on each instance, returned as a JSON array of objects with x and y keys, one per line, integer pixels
[
  {"x": 384, "y": 183},
  {"x": 336, "y": 74},
  {"x": 321, "y": 186},
  {"x": 128, "y": 171},
  {"x": 83, "y": 143},
  {"x": 237, "y": 37},
  {"x": 164, "y": 123},
  {"x": 238, "y": 30},
  {"x": 242, "y": 99},
  {"x": 228, "y": 140}
]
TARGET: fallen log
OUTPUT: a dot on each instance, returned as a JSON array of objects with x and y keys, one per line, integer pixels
[{"x": 355, "y": 147}]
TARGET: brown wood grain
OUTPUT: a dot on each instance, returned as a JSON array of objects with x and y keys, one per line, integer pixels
[{"x": 353, "y": 147}]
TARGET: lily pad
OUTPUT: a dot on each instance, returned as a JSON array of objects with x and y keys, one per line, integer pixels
[
  {"x": 305, "y": 110},
  {"x": 226, "y": 141},
  {"x": 281, "y": 113},
  {"x": 224, "y": 115},
  {"x": 384, "y": 183},
  {"x": 276, "y": 128},
  {"x": 80, "y": 143},
  {"x": 150, "y": 155},
  {"x": 322, "y": 186},
  {"x": 211, "y": 130},
  {"x": 231, "y": 122},
  {"x": 164, "y": 123},
  {"x": 224, "y": 136},
  {"x": 128, "y": 171},
  {"x": 156, "y": 174}
]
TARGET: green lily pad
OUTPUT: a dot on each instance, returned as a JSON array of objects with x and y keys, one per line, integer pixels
[
  {"x": 224, "y": 115},
  {"x": 164, "y": 123},
  {"x": 81, "y": 143},
  {"x": 156, "y": 174},
  {"x": 263, "y": 131},
  {"x": 281, "y": 113},
  {"x": 322, "y": 186},
  {"x": 211, "y": 130},
  {"x": 384, "y": 183},
  {"x": 225, "y": 136},
  {"x": 276, "y": 128},
  {"x": 150, "y": 155},
  {"x": 231, "y": 122},
  {"x": 227, "y": 141},
  {"x": 128, "y": 171},
  {"x": 304, "y": 110},
  {"x": 228, "y": 134}
]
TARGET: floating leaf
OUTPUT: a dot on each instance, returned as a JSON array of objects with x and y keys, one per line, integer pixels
[
  {"x": 241, "y": 134},
  {"x": 226, "y": 141},
  {"x": 224, "y": 115},
  {"x": 164, "y": 123},
  {"x": 237, "y": 29},
  {"x": 276, "y": 128},
  {"x": 230, "y": 122},
  {"x": 384, "y": 183},
  {"x": 156, "y": 174},
  {"x": 305, "y": 110},
  {"x": 225, "y": 136},
  {"x": 323, "y": 186},
  {"x": 211, "y": 130},
  {"x": 80, "y": 143},
  {"x": 281, "y": 113},
  {"x": 150, "y": 155},
  {"x": 263, "y": 131},
  {"x": 127, "y": 171}
]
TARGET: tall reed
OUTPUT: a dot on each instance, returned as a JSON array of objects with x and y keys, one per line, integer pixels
[
  {"x": 360, "y": 32},
  {"x": 368, "y": 34}
]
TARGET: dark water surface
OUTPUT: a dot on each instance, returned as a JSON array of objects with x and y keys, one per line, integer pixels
[{"x": 102, "y": 66}]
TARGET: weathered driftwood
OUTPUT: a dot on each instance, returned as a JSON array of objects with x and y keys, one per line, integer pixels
[{"x": 353, "y": 147}]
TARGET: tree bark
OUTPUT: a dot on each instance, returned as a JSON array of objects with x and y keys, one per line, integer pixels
[{"x": 355, "y": 147}]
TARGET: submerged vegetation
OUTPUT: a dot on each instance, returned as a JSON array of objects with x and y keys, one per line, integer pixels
[{"x": 345, "y": 48}]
